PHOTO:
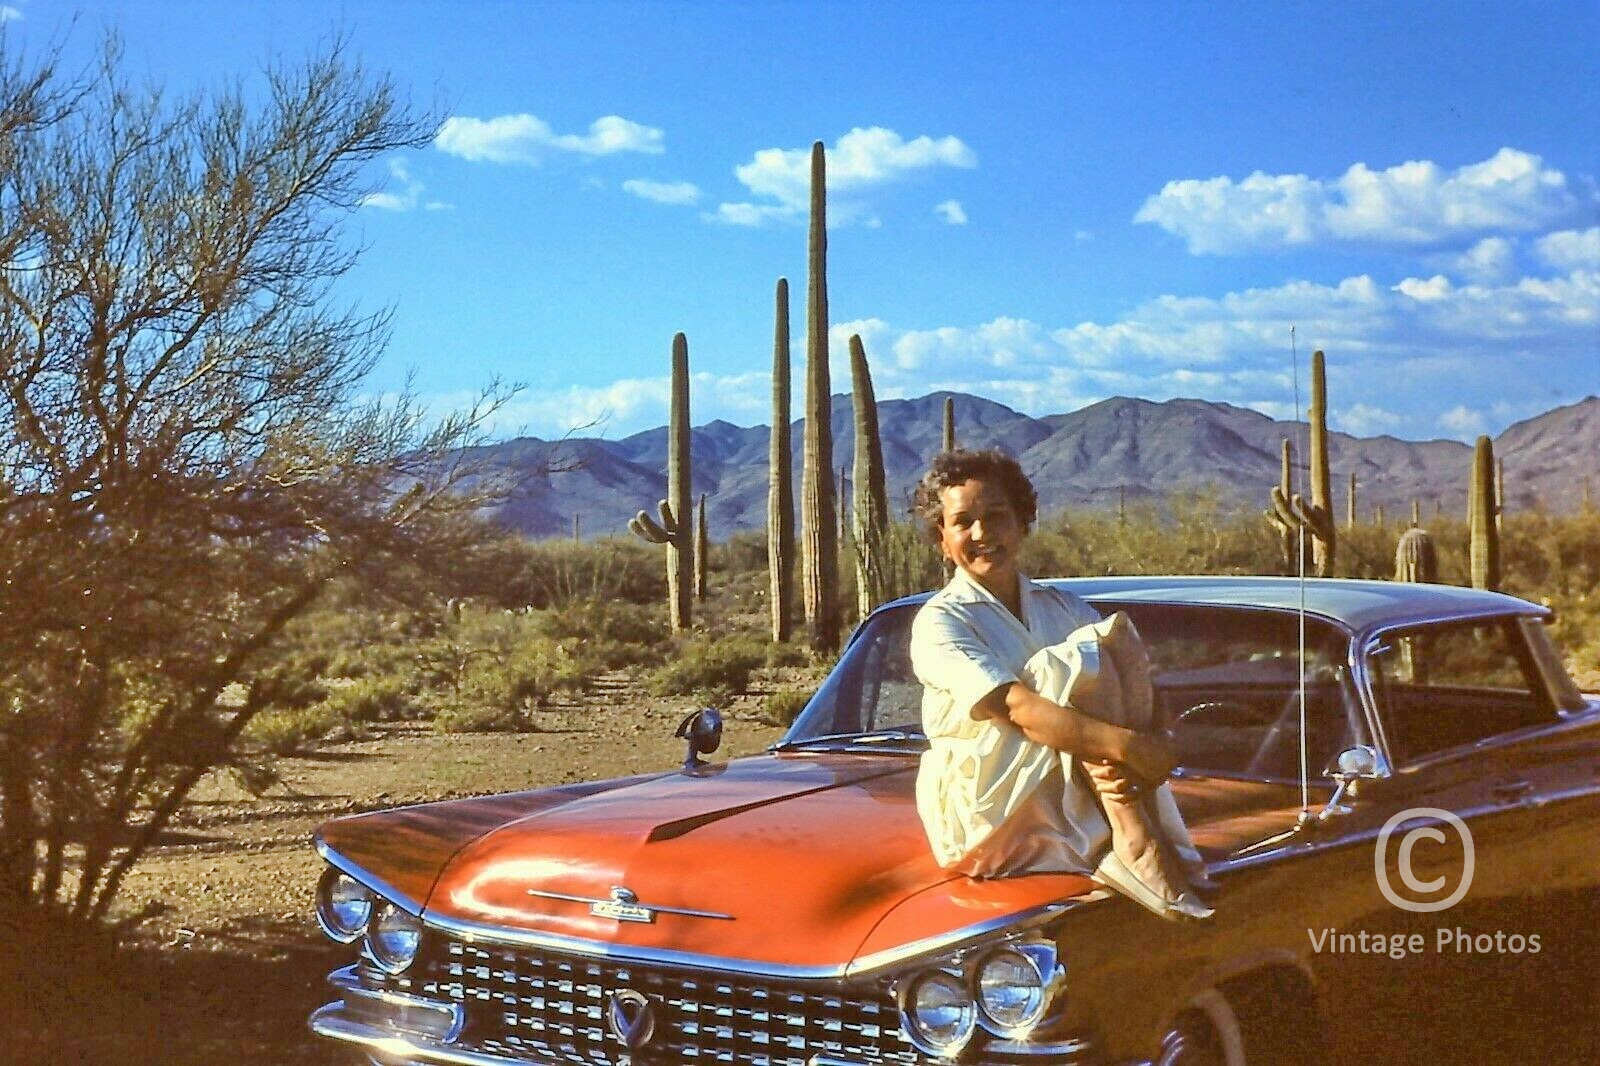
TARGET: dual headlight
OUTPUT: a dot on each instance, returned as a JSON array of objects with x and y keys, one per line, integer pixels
[
  {"x": 347, "y": 910},
  {"x": 1008, "y": 991}
]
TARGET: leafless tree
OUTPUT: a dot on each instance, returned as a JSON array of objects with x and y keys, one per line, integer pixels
[{"x": 184, "y": 462}]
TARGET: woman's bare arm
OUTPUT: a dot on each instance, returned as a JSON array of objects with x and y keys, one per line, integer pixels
[{"x": 1148, "y": 758}]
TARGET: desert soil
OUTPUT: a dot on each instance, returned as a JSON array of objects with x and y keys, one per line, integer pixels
[{"x": 230, "y": 963}]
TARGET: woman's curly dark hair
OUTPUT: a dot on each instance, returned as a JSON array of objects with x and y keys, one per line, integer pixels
[{"x": 955, "y": 467}]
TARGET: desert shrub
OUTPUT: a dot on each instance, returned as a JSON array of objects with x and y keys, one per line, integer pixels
[
  {"x": 783, "y": 706},
  {"x": 468, "y": 716},
  {"x": 370, "y": 700},
  {"x": 791, "y": 654},
  {"x": 291, "y": 684},
  {"x": 709, "y": 669},
  {"x": 284, "y": 732}
]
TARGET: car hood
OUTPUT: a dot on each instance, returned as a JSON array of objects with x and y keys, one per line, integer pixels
[{"x": 801, "y": 862}]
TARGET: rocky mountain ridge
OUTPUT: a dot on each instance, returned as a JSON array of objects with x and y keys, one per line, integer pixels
[{"x": 1118, "y": 449}]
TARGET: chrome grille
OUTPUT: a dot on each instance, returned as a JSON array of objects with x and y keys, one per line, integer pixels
[{"x": 552, "y": 1008}]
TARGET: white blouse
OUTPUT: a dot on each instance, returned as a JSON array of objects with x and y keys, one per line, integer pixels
[{"x": 980, "y": 773}]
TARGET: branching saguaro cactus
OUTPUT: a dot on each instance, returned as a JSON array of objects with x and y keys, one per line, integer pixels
[
  {"x": 819, "y": 535},
  {"x": 871, "y": 501},
  {"x": 780, "y": 489},
  {"x": 1484, "y": 545},
  {"x": 674, "y": 528},
  {"x": 1290, "y": 511},
  {"x": 1281, "y": 513},
  {"x": 1415, "y": 558}
]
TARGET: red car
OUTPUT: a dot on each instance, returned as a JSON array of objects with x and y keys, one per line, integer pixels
[{"x": 1428, "y": 888}]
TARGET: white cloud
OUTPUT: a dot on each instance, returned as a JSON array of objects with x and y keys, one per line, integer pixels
[
  {"x": 527, "y": 138},
  {"x": 862, "y": 159},
  {"x": 663, "y": 192},
  {"x": 1571, "y": 249},
  {"x": 407, "y": 196},
  {"x": 1462, "y": 422},
  {"x": 951, "y": 212},
  {"x": 8, "y": 13},
  {"x": 1412, "y": 204},
  {"x": 1365, "y": 420},
  {"x": 1491, "y": 260}
]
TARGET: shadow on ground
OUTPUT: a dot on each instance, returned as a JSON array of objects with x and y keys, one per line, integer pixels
[{"x": 93, "y": 1003}]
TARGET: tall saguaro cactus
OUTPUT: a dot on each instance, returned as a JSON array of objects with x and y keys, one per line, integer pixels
[
  {"x": 675, "y": 528},
  {"x": 819, "y": 535},
  {"x": 780, "y": 490},
  {"x": 871, "y": 501},
  {"x": 1319, "y": 515},
  {"x": 1289, "y": 510},
  {"x": 948, "y": 438},
  {"x": 1484, "y": 552}
]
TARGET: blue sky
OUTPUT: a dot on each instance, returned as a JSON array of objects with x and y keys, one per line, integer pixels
[{"x": 1045, "y": 204}]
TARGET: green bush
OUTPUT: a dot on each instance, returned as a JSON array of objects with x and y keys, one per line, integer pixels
[
  {"x": 467, "y": 716},
  {"x": 369, "y": 700},
  {"x": 710, "y": 670},
  {"x": 284, "y": 732},
  {"x": 783, "y": 706}
]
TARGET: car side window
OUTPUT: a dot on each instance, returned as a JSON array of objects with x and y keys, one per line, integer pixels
[
  {"x": 1447, "y": 685},
  {"x": 1229, "y": 681}
]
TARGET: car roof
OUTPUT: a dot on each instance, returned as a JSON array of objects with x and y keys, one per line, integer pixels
[{"x": 1359, "y": 606}]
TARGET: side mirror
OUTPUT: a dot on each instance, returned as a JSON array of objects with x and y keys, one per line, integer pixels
[
  {"x": 703, "y": 732},
  {"x": 1353, "y": 765}
]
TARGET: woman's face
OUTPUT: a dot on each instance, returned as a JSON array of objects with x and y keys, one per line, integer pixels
[{"x": 981, "y": 533}]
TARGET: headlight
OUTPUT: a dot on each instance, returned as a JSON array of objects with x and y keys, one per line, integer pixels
[
  {"x": 1013, "y": 990},
  {"x": 938, "y": 1013},
  {"x": 393, "y": 937},
  {"x": 343, "y": 905}
]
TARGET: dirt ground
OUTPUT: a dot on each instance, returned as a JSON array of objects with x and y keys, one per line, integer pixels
[{"x": 231, "y": 963}]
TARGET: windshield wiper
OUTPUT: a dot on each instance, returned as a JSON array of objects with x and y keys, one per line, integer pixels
[{"x": 896, "y": 735}]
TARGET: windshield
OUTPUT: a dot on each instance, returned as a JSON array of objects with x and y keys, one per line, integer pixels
[{"x": 1228, "y": 678}]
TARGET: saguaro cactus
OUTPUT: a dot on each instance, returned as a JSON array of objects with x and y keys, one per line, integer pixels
[
  {"x": 1350, "y": 504},
  {"x": 1484, "y": 553},
  {"x": 871, "y": 501},
  {"x": 819, "y": 536},
  {"x": 702, "y": 550},
  {"x": 1319, "y": 515},
  {"x": 1289, "y": 510},
  {"x": 674, "y": 529},
  {"x": 1415, "y": 558},
  {"x": 780, "y": 490},
  {"x": 1281, "y": 514},
  {"x": 948, "y": 437}
]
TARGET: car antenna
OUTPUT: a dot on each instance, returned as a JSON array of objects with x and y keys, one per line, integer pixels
[{"x": 1300, "y": 570}]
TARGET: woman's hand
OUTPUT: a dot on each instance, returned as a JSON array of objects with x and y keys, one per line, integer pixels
[{"x": 1111, "y": 780}]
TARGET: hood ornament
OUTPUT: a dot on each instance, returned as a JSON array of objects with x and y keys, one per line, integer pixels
[{"x": 631, "y": 1017}]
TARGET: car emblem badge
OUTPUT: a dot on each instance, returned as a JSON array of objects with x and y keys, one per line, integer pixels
[
  {"x": 631, "y": 1018},
  {"x": 623, "y": 905}
]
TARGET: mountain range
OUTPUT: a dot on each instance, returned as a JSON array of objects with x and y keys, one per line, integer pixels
[{"x": 1118, "y": 449}]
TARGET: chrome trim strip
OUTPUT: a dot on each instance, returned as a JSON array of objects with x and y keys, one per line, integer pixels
[
  {"x": 368, "y": 878},
  {"x": 653, "y": 908},
  {"x": 477, "y": 933}
]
